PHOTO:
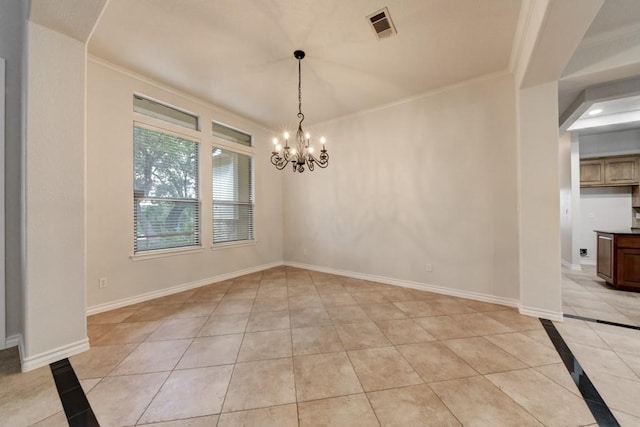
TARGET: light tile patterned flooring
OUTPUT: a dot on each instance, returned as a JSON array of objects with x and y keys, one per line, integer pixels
[
  {"x": 609, "y": 354},
  {"x": 585, "y": 294},
  {"x": 294, "y": 347}
]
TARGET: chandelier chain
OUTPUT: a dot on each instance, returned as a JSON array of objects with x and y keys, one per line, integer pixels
[{"x": 300, "y": 114}]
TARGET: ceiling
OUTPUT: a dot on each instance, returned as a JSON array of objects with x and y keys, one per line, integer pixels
[
  {"x": 614, "y": 15},
  {"x": 239, "y": 54},
  {"x": 74, "y": 18},
  {"x": 609, "y": 51},
  {"x": 611, "y": 115}
]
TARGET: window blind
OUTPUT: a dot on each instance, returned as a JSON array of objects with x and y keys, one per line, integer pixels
[
  {"x": 229, "y": 134},
  {"x": 166, "y": 207},
  {"x": 164, "y": 112},
  {"x": 233, "y": 205}
]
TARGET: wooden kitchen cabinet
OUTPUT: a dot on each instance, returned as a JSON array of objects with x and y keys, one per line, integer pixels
[
  {"x": 628, "y": 267},
  {"x": 605, "y": 256},
  {"x": 635, "y": 196},
  {"x": 621, "y": 170},
  {"x": 618, "y": 261},
  {"x": 609, "y": 171},
  {"x": 591, "y": 172}
]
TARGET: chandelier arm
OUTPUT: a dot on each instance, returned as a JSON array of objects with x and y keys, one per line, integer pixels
[
  {"x": 278, "y": 161},
  {"x": 322, "y": 162}
]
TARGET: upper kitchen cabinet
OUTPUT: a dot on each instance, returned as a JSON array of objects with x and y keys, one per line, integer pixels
[
  {"x": 591, "y": 172},
  {"x": 621, "y": 171},
  {"x": 609, "y": 171}
]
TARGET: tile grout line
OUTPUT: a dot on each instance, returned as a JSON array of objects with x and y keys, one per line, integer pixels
[
  {"x": 174, "y": 366},
  {"x": 599, "y": 409},
  {"x": 293, "y": 363},
  {"x": 163, "y": 382},
  {"x": 602, "y": 322},
  {"x": 364, "y": 391},
  {"x": 170, "y": 371},
  {"x": 235, "y": 363},
  {"x": 424, "y": 382},
  {"x": 137, "y": 345},
  {"x": 597, "y": 295}
]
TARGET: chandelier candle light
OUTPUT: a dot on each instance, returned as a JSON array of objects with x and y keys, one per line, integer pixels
[{"x": 303, "y": 154}]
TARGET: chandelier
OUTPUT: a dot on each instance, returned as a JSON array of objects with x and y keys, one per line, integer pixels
[{"x": 302, "y": 153}]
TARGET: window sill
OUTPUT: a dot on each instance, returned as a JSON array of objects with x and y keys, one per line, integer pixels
[
  {"x": 163, "y": 253},
  {"x": 218, "y": 246}
]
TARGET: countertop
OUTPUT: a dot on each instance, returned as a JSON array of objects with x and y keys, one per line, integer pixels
[{"x": 621, "y": 231}]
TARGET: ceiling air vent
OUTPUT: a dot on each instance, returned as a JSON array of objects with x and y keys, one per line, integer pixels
[{"x": 381, "y": 23}]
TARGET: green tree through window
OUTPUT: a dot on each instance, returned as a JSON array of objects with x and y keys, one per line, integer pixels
[{"x": 166, "y": 205}]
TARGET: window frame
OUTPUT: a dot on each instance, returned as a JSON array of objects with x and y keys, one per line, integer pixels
[
  {"x": 169, "y": 120},
  {"x": 206, "y": 141},
  {"x": 217, "y": 142},
  {"x": 235, "y": 129},
  {"x": 158, "y": 125}
]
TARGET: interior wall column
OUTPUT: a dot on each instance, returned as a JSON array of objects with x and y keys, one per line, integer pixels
[
  {"x": 53, "y": 197},
  {"x": 539, "y": 201}
]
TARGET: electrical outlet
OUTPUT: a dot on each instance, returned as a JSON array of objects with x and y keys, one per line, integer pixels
[
  {"x": 102, "y": 282},
  {"x": 429, "y": 267}
]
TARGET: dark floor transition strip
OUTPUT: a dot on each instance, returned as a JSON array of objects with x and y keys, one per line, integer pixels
[
  {"x": 604, "y": 322},
  {"x": 597, "y": 406},
  {"x": 74, "y": 400}
]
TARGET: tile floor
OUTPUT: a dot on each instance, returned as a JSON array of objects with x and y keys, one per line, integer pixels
[
  {"x": 292, "y": 347},
  {"x": 610, "y": 355},
  {"x": 585, "y": 294}
]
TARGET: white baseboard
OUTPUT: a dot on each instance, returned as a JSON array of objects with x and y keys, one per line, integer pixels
[
  {"x": 409, "y": 284},
  {"x": 13, "y": 340},
  {"x": 556, "y": 316},
  {"x": 588, "y": 262},
  {"x": 36, "y": 361},
  {"x": 176, "y": 289},
  {"x": 575, "y": 267}
]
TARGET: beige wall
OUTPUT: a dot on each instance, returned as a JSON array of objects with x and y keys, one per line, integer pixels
[
  {"x": 109, "y": 195},
  {"x": 429, "y": 181}
]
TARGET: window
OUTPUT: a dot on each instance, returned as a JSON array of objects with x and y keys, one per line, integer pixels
[
  {"x": 166, "y": 204},
  {"x": 232, "y": 182},
  {"x": 164, "y": 112},
  {"x": 221, "y": 131}
]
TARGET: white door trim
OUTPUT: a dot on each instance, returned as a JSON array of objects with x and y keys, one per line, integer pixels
[{"x": 3, "y": 306}]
